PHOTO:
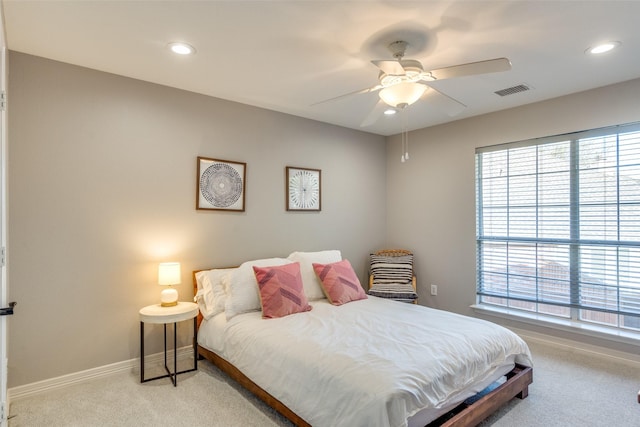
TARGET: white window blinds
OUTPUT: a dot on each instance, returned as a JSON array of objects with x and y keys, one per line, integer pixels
[{"x": 558, "y": 225}]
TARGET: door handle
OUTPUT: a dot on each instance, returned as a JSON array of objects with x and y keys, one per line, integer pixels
[{"x": 8, "y": 311}]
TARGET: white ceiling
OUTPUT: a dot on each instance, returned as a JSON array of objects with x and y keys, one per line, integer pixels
[{"x": 288, "y": 55}]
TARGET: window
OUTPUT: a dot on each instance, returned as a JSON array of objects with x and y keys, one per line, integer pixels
[{"x": 558, "y": 226}]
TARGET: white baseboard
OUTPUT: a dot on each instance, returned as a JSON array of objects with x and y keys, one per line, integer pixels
[{"x": 132, "y": 365}]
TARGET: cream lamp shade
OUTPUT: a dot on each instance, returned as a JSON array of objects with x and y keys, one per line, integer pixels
[
  {"x": 169, "y": 274},
  {"x": 402, "y": 93}
]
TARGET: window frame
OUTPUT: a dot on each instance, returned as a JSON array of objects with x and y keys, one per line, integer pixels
[{"x": 575, "y": 306}]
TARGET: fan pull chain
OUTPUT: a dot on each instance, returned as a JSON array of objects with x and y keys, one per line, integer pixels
[
  {"x": 406, "y": 145},
  {"x": 402, "y": 142},
  {"x": 404, "y": 136}
]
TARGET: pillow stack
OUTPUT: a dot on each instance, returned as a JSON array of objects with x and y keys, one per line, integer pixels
[
  {"x": 211, "y": 295},
  {"x": 392, "y": 277},
  {"x": 278, "y": 286}
]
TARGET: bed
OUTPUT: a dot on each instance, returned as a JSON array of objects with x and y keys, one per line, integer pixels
[{"x": 364, "y": 362}]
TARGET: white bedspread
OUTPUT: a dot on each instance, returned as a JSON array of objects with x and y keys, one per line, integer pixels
[{"x": 368, "y": 363}]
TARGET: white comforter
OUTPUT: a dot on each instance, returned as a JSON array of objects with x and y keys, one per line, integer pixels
[{"x": 367, "y": 363}]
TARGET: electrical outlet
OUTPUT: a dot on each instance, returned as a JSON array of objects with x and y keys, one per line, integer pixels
[{"x": 434, "y": 289}]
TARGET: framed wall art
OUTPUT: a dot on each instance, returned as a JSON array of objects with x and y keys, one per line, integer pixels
[
  {"x": 303, "y": 189},
  {"x": 221, "y": 184}
]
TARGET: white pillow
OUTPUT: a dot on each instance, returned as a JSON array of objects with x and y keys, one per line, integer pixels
[
  {"x": 310, "y": 282},
  {"x": 242, "y": 292},
  {"x": 211, "y": 293}
]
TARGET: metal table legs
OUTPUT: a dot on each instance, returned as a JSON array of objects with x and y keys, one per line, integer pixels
[{"x": 172, "y": 375}]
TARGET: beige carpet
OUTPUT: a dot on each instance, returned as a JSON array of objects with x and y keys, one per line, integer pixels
[{"x": 570, "y": 389}]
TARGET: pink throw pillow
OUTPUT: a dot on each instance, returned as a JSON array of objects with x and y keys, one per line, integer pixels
[
  {"x": 339, "y": 282},
  {"x": 281, "y": 291}
]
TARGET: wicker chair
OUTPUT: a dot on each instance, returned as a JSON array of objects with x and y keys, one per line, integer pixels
[{"x": 391, "y": 275}]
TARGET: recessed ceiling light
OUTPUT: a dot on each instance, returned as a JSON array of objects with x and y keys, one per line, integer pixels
[
  {"x": 390, "y": 112},
  {"x": 182, "y": 48},
  {"x": 602, "y": 48}
]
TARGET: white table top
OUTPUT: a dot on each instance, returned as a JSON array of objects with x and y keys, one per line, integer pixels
[{"x": 157, "y": 314}]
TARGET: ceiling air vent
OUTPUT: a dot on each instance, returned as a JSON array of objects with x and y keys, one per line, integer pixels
[{"x": 513, "y": 90}]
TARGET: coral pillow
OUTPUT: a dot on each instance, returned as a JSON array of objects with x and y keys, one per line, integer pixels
[
  {"x": 281, "y": 291},
  {"x": 339, "y": 282}
]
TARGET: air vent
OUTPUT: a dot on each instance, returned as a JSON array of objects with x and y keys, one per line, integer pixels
[{"x": 513, "y": 90}]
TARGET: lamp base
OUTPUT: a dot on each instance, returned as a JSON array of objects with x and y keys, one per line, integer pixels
[
  {"x": 169, "y": 298},
  {"x": 169, "y": 304}
]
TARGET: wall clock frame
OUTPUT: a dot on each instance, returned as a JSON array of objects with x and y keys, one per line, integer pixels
[
  {"x": 303, "y": 189},
  {"x": 220, "y": 185}
]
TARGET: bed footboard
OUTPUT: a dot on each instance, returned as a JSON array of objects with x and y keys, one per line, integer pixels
[{"x": 517, "y": 385}]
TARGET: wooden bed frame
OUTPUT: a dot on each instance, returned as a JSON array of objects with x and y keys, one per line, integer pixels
[{"x": 464, "y": 415}]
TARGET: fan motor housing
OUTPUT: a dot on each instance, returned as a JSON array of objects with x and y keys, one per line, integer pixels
[{"x": 411, "y": 67}]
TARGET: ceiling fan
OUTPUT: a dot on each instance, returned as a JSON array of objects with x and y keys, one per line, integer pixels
[{"x": 402, "y": 82}]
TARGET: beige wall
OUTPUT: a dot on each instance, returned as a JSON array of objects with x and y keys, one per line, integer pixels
[
  {"x": 102, "y": 188},
  {"x": 431, "y": 198},
  {"x": 102, "y": 185}
]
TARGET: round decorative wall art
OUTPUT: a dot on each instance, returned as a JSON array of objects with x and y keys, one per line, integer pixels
[{"x": 221, "y": 184}]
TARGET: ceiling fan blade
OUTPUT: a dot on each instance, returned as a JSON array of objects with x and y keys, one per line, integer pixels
[
  {"x": 357, "y": 92},
  {"x": 449, "y": 105},
  {"x": 393, "y": 68},
  {"x": 375, "y": 113},
  {"x": 472, "y": 68}
]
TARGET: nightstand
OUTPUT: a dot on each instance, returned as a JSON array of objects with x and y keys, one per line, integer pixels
[{"x": 164, "y": 315}]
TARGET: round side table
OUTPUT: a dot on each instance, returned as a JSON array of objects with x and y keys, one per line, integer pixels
[{"x": 165, "y": 315}]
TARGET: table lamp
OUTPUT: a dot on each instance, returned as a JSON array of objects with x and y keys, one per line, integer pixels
[{"x": 169, "y": 274}]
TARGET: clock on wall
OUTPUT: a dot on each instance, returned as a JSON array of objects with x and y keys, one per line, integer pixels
[{"x": 303, "y": 189}]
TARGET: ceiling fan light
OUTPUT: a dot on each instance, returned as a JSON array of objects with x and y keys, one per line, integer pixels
[{"x": 402, "y": 93}]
